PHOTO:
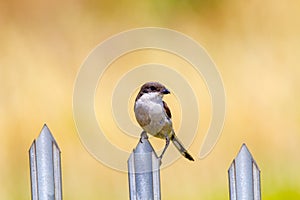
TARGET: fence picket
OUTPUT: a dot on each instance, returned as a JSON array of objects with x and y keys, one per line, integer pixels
[
  {"x": 45, "y": 167},
  {"x": 244, "y": 177},
  {"x": 144, "y": 172}
]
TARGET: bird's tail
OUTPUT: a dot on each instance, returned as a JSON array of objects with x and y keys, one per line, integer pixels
[{"x": 180, "y": 147}]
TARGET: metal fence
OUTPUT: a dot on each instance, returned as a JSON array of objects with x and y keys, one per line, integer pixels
[{"x": 143, "y": 172}]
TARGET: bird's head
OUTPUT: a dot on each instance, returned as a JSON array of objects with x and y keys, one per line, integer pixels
[{"x": 153, "y": 88}]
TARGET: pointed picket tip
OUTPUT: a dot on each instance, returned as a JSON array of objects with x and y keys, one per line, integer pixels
[
  {"x": 144, "y": 146},
  {"x": 244, "y": 177},
  {"x": 46, "y": 136},
  {"x": 143, "y": 154},
  {"x": 45, "y": 167},
  {"x": 244, "y": 151}
]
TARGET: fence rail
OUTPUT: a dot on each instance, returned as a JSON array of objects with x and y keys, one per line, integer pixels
[{"x": 143, "y": 171}]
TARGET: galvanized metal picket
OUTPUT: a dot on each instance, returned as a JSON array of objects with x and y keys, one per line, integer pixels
[
  {"x": 143, "y": 171},
  {"x": 45, "y": 167},
  {"x": 244, "y": 177}
]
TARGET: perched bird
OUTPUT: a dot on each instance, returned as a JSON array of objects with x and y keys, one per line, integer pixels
[{"x": 154, "y": 116}]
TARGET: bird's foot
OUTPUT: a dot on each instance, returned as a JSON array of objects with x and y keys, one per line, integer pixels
[{"x": 143, "y": 136}]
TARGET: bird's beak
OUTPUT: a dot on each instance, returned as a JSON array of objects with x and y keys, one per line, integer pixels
[{"x": 166, "y": 91}]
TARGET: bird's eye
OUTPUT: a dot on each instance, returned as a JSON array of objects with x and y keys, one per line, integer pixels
[{"x": 152, "y": 88}]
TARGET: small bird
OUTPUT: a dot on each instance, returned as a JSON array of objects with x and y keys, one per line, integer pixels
[{"x": 154, "y": 116}]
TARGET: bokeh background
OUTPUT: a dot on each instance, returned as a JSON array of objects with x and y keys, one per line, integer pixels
[{"x": 255, "y": 45}]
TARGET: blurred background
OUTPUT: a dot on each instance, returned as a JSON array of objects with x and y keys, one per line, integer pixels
[{"x": 255, "y": 45}]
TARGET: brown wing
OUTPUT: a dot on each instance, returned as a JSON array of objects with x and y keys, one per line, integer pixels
[{"x": 167, "y": 110}]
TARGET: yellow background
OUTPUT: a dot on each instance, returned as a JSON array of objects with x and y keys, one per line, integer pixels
[{"x": 255, "y": 45}]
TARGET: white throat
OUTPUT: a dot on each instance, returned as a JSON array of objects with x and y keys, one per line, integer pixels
[{"x": 151, "y": 96}]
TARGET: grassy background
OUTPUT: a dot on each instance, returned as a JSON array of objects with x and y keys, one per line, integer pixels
[{"x": 255, "y": 45}]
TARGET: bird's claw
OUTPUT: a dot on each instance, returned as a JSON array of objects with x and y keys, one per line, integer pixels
[{"x": 143, "y": 136}]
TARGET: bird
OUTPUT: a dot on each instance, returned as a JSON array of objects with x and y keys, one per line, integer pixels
[{"x": 154, "y": 116}]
